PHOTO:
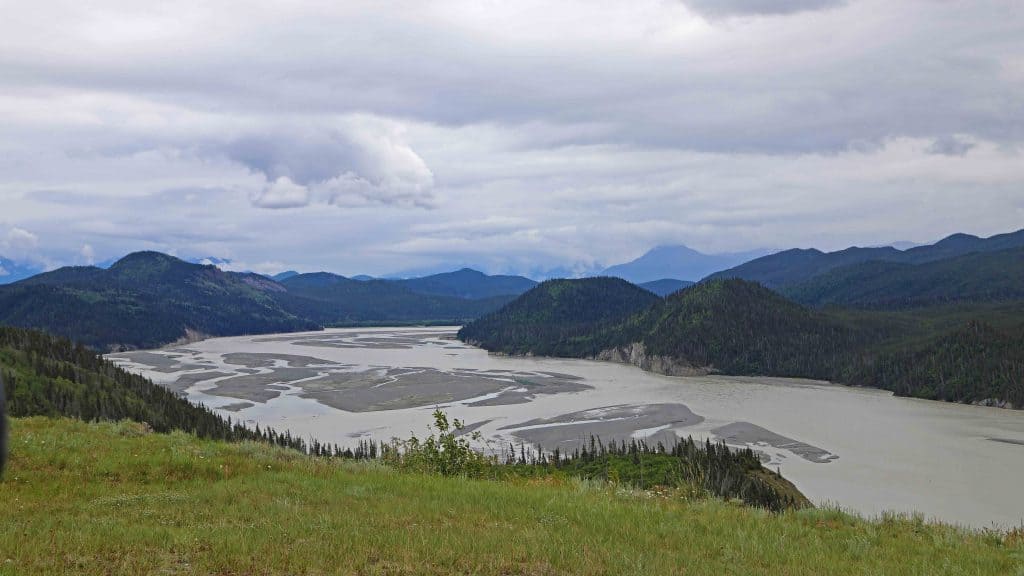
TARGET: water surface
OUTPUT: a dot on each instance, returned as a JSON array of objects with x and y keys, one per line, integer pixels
[{"x": 862, "y": 449}]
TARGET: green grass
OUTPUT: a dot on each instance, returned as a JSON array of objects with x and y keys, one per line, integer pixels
[{"x": 112, "y": 499}]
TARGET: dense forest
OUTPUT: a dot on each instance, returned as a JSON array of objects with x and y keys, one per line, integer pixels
[
  {"x": 964, "y": 354},
  {"x": 49, "y": 376},
  {"x": 973, "y": 363},
  {"x": 980, "y": 277}
]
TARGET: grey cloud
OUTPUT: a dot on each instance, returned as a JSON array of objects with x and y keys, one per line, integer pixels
[
  {"x": 547, "y": 134},
  {"x": 357, "y": 160},
  {"x": 809, "y": 83},
  {"x": 281, "y": 193},
  {"x": 753, "y": 7},
  {"x": 950, "y": 146},
  {"x": 301, "y": 156}
]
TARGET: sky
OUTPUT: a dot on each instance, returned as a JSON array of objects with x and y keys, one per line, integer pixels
[{"x": 514, "y": 136}]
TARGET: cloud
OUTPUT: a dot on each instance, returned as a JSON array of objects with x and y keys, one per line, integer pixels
[
  {"x": 4, "y": 272},
  {"x": 355, "y": 159},
  {"x": 281, "y": 193},
  {"x": 950, "y": 146},
  {"x": 522, "y": 135},
  {"x": 19, "y": 244},
  {"x": 88, "y": 254},
  {"x": 720, "y": 8}
]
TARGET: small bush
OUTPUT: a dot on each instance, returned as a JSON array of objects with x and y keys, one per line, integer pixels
[{"x": 445, "y": 452}]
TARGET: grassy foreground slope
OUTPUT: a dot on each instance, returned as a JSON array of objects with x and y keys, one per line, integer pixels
[{"x": 110, "y": 498}]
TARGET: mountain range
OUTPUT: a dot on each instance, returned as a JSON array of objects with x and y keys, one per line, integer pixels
[
  {"x": 678, "y": 262},
  {"x": 970, "y": 352},
  {"x": 791, "y": 267},
  {"x": 149, "y": 299}
]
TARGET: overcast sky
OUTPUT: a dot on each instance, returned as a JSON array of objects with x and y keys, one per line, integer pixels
[{"x": 372, "y": 137}]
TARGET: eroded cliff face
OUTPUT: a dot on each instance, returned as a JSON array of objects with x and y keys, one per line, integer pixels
[
  {"x": 996, "y": 403},
  {"x": 637, "y": 355}
]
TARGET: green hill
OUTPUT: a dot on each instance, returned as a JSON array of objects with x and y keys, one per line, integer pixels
[
  {"x": 738, "y": 327},
  {"x": 111, "y": 499},
  {"x": 48, "y": 376},
  {"x": 559, "y": 317},
  {"x": 145, "y": 300},
  {"x": 972, "y": 278}
]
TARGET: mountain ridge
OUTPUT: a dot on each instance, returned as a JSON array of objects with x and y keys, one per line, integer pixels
[
  {"x": 677, "y": 261},
  {"x": 800, "y": 265}
]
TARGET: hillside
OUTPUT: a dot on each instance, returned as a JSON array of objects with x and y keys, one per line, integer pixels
[
  {"x": 963, "y": 354},
  {"x": 975, "y": 362},
  {"x": 336, "y": 300},
  {"x": 146, "y": 300},
  {"x": 558, "y": 317},
  {"x": 795, "y": 266},
  {"x": 665, "y": 286},
  {"x": 154, "y": 503},
  {"x": 48, "y": 376},
  {"x": 677, "y": 262},
  {"x": 737, "y": 327},
  {"x": 732, "y": 326},
  {"x": 468, "y": 283},
  {"x": 977, "y": 277}
]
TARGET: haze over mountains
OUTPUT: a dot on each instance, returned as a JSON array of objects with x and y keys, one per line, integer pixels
[{"x": 11, "y": 271}]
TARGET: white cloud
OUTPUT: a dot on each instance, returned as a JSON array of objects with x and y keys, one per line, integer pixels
[
  {"x": 21, "y": 239},
  {"x": 281, "y": 193}
]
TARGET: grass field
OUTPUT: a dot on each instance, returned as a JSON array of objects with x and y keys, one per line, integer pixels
[{"x": 112, "y": 499}]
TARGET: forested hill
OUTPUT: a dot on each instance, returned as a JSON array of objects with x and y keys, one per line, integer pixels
[
  {"x": 738, "y": 327},
  {"x": 731, "y": 326},
  {"x": 795, "y": 266},
  {"x": 145, "y": 300},
  {"x": 47, "y": 376},
  {"x": 977, "y": 277},
  {"x": 148, "y": 299},
  {"x": 558, "y": 317}
]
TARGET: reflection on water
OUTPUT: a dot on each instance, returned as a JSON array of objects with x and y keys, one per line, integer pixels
[{"x": 860, "y": 448}]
